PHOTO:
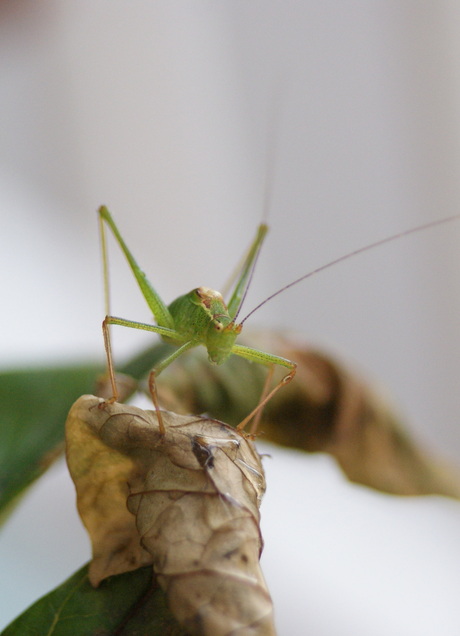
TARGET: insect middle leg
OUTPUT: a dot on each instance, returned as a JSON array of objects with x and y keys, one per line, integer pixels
[{"x": 162, "y": 331}]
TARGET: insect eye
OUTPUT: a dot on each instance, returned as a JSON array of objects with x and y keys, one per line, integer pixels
[{"x": 218, "y": 326}]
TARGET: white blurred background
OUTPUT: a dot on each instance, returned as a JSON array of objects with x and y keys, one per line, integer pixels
[{"x": 180, "y": 115}]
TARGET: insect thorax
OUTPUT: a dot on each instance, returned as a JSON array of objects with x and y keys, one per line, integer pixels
[{"x": 202, "y": 315}]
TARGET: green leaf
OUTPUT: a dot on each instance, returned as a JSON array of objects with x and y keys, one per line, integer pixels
[
  {"x": 35, "y": 403},
  {"x": 34, "y": 408},
  {"x": 130, "y": 604}
]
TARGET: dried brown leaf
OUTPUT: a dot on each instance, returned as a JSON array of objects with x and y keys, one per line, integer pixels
[
  {"x": 326, "y": 408},
  {"x": 331, "y": 409},
  {"x": 193, "y": 510}
]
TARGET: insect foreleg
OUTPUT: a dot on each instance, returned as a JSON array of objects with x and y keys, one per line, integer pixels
[
  {"x": 254, "y": 355},
  {"x": 266, "y": 388},
  {"x": 162, "y": 331},
  {"x": 166, "y": 332}
]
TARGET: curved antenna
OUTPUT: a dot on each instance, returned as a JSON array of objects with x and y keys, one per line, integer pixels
[{"x": 345, "y": 257}]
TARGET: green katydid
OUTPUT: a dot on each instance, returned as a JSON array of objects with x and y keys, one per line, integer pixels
[{"x": 202, "y": 317}]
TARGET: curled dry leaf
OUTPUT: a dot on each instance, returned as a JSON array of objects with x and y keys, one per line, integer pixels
[{"x": 187, "y": 503}]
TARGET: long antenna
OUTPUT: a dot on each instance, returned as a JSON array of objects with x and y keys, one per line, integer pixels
[
  {"x": 345, "y": 257},
  {"x": 272, "y": 151}
]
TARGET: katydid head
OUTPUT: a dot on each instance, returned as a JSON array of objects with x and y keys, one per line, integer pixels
[
  {"x": 213, "y": 304},
  {"x": 220, "y": 340},
  {"x": 222, "y": 331}
]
